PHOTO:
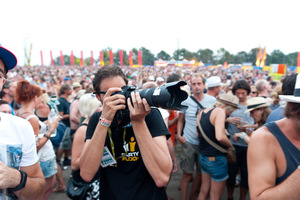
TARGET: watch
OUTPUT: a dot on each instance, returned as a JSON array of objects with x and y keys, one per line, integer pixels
[{"x": 21, "y": 184}]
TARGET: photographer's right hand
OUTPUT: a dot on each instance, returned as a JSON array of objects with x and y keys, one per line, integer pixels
[{"x": 111, "y": 104}]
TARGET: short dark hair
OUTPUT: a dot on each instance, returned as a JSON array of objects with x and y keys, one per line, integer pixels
[
  {"x": 288, "y": 85},
  {"x": 173, "y": 78},
  {"x": 241, "y": 84},
  {"x": 292, "y": 110},
  {"x": 107, "y": 72},
  {"x": 64, "y": 88}
]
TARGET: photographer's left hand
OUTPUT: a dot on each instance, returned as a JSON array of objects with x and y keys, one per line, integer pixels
[{"x": 139, "y": 107}]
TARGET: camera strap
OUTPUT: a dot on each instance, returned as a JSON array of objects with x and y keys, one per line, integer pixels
[
  {"x": 112, "y": 144},
  {"x": 197, "y": 102}
]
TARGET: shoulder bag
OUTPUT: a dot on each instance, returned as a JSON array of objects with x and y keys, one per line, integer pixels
[
  {"x": 77, "y": 190},
  {"x": 230, "y": 152}
]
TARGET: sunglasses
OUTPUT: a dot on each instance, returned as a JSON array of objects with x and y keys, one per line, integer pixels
[{"x": 254, "y": 92}]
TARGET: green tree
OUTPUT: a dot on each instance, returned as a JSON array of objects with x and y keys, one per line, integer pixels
[
  {"x": 224, "y": 55},
  {"x": 184, "y": 54},
  {"x": 252, "y": 55},
  {"x": 163, "y": 55},
  {"x": 205, "y": 55},
  {"x": 291, "y": 59},
  {"x": 276, "y": 57},
  {"x": 147, "y": 57},
  {"x": 240, "y": 57}
]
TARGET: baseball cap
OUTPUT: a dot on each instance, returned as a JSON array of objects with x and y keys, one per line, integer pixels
[
  {"x": 213, "y": 81},
  {"x": 8, "y": 58}
]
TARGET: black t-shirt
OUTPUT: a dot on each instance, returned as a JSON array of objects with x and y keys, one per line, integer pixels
[
  {"x": 130, "y": 179},
  {"x": 64, "y": 107}
]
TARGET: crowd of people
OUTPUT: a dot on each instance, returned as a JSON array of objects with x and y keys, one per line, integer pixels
[{"x": 122, "y": 148}]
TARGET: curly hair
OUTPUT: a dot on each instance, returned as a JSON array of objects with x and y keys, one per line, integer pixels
[{"x": 25, "y": 92}]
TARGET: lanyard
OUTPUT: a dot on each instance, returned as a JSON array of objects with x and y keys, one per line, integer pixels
[{"x": 112, "y": 144}]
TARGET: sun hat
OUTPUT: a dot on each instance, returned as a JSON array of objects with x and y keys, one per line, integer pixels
[
  {"x": 76, "y": 84},
  {"x": 293, "y": 98},
  {"x": 213, "y": 81},
  {"x": 229, "y": 99},
  {"x": 8, "y": 58},
  {"x": 256, "y": 102}
]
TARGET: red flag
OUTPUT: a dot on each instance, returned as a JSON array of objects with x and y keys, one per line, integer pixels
[
  {"x": 92, "y": 59},
  {"x": 298, "y": 61},
  {"x": 81, "y": 59},
  {"x": 101, "y": 59},
  {"x": 111, "y": 57},
  {"x": 52, "y": 61},
  {"x": 61, "y": 59},
  {"x": 72, "y": 59},
  {"x": 121, "y": 57},
  {"x": 130, "y": 58},
  {"x": 42, "y": 58},
  {"x": 140, "y": 62}
]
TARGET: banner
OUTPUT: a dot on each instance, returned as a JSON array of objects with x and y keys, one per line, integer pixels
[
  {"x": 81, "y": 59},
  {"x": 121, "y": 57},
  {"x": 61, "y": 59},
  {"x": 111, "y": 57},
  {"x": 42, "y": 62},
  {"x": 51, "y": 57},
  {"x": 92, "y": 59},
  {"x": 140, "y": 62},
  {"x": 130, "y": 58},
  {"x": 101, "y": 59},
  {"x": 72, "y": 59},
  {"x": 278, "y": 68}
]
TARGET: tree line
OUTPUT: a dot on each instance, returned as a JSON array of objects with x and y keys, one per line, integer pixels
[{"x": 202, "y": 55}]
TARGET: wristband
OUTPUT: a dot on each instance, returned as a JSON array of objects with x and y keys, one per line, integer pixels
[
  {"x": 244, "y": 134},
  {"x": 105, "y": 122},
  {"x": 21, "y": 184}
]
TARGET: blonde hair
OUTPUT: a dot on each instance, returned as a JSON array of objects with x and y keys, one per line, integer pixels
[
  {"x": 226, "y": 106},
  {"x": 88, "y": 104},
  {"x": 45, "y": 98}
]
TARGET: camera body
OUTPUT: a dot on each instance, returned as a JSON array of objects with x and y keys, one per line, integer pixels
[{"x": 168, "y": 96}]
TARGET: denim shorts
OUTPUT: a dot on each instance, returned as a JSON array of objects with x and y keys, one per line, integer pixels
[
  {"x": 216, "y": 167},
  {"x": 49, "y": 167}
]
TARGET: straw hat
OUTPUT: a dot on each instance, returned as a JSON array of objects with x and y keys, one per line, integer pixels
[
  {"x": 293, "y": 98},
  {"x": 256, "y": 102},
  {"x": 229, "y": 99}
]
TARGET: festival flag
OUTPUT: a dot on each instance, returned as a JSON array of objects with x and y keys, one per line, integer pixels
[
  {"x": 264, "y": 57},
  {"x": 298, "y": 61},
  {"x": 42, "y": 62},
  {"x": 140, "y": 62},
  {"x": 130, "y": 58},
  {"x": 111, "y": 57},
  {"x": 51, "y": 57},
  {"x": 81, "y": 59},
  {"x": 281, "y": 69},
  {"x": 101, "y": 59},
  {"x": 61, "y": 59},
  {"x": 121, "y": 57},
  {"x": 258, "y": 56},
  {"x": 92, "y": 59},
  {"x": 225, "y": 66},
  {"x": 72, "y": 59}
]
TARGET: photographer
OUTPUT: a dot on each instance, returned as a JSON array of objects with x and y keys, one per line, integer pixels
[{"x": 136, "y": 141}]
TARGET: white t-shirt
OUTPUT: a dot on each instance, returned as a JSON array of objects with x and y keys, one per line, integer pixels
[{"x": 17, "y": 142}]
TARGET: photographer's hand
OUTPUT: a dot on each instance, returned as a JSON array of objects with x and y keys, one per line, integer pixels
[
  {"x": 111, "y": 104},
  {"x": 139, "y": 107}
]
